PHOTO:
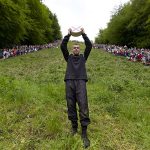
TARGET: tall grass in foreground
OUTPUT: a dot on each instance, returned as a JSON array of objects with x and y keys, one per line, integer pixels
[{"x": 33, "y": 114}]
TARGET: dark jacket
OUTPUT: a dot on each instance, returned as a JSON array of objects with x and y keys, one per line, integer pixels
[{"x": 76, "y": 64}]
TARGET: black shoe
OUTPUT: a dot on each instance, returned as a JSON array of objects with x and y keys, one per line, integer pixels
[
  {"x": 74, "y": 129},
  {"x": 86, "y": 141}
]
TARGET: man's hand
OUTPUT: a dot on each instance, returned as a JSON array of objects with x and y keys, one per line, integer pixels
[
  {"x": 82, "y": 30},
  {"x": 69, "y": 31}
]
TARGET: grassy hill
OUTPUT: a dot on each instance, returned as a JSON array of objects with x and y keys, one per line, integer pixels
[{"x": 33, "y": 114}]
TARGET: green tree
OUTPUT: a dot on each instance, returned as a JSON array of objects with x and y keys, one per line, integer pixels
[
  {"x": 53, "y": 32},
  {"x": 139, "y": 25},
  {"x": 38, "y": 21},
  {"x": 27, "y": 22},
  {"x": 129, "y": 25},
  {"x": 56, "y": 28},
  {"x": 101, "y": 38},
  {"x": 13, "y": 23}
]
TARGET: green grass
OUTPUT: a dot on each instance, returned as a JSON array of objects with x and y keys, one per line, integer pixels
[{"x": 33, "y": 113}]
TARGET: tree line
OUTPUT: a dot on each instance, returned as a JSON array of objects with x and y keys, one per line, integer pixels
[
  {"x": 27, "y": 22},
  {"x": 129, "y": 25}
]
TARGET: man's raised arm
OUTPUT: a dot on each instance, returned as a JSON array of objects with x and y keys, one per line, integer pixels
[
  {"x": 63, "y": 45},
  {"x": 88, "y": 44}
]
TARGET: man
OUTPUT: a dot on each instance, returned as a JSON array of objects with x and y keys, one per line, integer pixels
[{"x": 75, "y": 79}]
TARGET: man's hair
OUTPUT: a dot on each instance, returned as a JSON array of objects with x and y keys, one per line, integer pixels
[{"x": 76, "y": 44}]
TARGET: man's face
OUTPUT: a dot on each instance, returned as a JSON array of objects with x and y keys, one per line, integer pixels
[{"x": 76, "y": 50}]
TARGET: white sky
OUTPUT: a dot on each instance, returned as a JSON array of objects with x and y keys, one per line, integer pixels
[{"x": 92, "y": 15}]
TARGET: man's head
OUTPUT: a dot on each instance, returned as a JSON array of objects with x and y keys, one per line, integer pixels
[{"x": 76, "y": 49}]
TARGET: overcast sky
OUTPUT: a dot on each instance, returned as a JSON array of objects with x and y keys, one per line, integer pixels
[{"x": 92, "y": 15}]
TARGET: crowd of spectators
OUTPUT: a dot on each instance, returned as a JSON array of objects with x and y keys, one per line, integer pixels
[
  {"x": 25, "y": 49},
  {"x": 132, "y": 54}
]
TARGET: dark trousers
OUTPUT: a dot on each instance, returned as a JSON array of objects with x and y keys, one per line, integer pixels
[{"x": 76, "y": 93}]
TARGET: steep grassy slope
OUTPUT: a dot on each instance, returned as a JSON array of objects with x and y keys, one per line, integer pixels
[{"x": 33, "y": 112}]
